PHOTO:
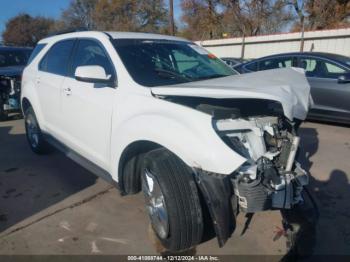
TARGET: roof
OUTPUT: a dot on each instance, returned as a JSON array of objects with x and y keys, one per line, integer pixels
[
  {"x": 125, "y": 35},
  {"x": 320, "y": 54},
  {"x": 14, "y": 48},
  {"x": 114, "y": 35},
  {"x": 344, "y": 60}
]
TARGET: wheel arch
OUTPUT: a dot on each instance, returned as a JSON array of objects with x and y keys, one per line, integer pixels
[
  {"x": 129, "y": 181},
  {"x": 25, "y": 104},
  {"x": 129, "y": 166}
]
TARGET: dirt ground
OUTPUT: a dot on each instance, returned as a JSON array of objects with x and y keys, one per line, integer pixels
[{"x": 50, "y": 205}]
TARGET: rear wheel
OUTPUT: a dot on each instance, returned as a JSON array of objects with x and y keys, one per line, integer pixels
[
  {"x": 34, "y": 135},
  {"x": 172, "y": 200}
]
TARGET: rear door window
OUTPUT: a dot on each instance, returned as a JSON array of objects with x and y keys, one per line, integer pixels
[
  {"x": 316, "y": 67},
  {"x": 278, "y": 62},
  {"x": 56, "y": 60}
]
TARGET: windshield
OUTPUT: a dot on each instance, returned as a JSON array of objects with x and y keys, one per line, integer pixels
[
  {"x": 14, "y": 57},
  {"x": 153, "y": 62}
]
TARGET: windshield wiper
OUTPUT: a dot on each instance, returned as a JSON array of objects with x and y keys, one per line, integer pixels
[
  {"x": 172, "y": 73},
  {"x": 212, "y": 76}
]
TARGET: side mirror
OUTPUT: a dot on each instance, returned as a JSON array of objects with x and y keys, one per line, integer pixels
[
  {"x": 344, "y": 79},
  {"x": 92, "y": 74}
]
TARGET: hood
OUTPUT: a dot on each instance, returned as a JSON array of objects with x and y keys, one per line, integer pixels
[
  {"x": 11, "y": 71},
  {"x": 288, "y": 86}
]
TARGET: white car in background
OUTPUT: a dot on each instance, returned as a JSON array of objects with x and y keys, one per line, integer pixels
[{"x": 161, "y": 115}]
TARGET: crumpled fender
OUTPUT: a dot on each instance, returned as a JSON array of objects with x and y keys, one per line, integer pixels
[{"x": 184, "y": 131}]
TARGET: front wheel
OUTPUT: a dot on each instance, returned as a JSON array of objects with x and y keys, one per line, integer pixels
[
  {"x": 172, "y": 200},
  {"x": 34, "y": 135}
]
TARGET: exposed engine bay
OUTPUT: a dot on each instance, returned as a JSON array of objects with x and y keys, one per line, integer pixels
[
  {"x": 257, "y": 130},
  {"x": 10, "y": 92},
  {"x": 270, "y": 178}
]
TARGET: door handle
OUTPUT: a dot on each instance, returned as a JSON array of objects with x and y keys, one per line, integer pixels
[{"x": 67, "y": 91}]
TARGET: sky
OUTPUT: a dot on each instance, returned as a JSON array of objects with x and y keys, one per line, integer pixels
[{"x": 47, "y": 8}]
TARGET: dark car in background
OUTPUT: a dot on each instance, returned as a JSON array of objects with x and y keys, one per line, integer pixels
[
  {"x": 232, "y": 61},
  {"x": 328, "y": 75},
  {"x": 12, "y": 62}
]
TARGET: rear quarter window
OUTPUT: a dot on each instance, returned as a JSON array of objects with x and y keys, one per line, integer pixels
[{"x": 35, "y": 52}]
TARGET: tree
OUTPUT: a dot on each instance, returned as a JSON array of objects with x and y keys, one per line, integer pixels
[
  {"x": 235, "y": 17},
  {"x": 126, "y": 15},
  {"x": 321, "y": 14},
  {"x": 79, "y": 14},
  {"x": 152, "y": 16},
  {"x": 25, "y": 30},
  {"x": 202, "y": 19},
  {"x": 254, "y": 17}
]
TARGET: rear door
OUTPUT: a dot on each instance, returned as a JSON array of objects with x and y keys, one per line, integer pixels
[
  {"x": 52, "y": 71},
  {"x": 87, "y": 108},
  {"x": 330, "y": 97}
]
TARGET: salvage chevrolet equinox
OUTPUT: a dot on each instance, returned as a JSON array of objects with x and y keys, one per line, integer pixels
[{"x": 161, "y": 115}]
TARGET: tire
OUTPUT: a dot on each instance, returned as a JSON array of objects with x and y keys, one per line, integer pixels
[
  {"x": 34, "y": 135},
  {"x": 178, "y": 193},
  {"x": 3, "y": 114}
]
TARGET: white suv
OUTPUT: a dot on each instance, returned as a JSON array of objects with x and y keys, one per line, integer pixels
[{"x": 160, "y": 114}]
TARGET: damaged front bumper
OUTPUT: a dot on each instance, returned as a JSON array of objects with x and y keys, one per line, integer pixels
[
  {"x": 226, "y": 196},
  {"x": 270, "y": 179}
]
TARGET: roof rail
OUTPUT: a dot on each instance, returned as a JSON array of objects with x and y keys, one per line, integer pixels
[{"x": 67, "y": 31}]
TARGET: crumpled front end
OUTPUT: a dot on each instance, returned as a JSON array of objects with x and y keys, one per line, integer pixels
[
  {"x": 257, "y": 116},
  {"x": 270, "y": 178}
]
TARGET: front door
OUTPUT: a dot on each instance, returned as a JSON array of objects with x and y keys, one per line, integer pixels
[{"x": 87, "y": 108}]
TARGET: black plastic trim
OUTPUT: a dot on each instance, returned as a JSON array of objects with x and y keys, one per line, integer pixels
[{"x": 217, "y": 192}]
